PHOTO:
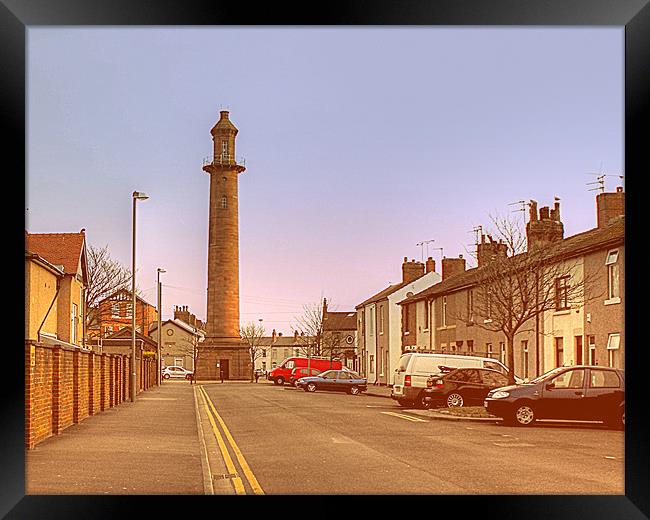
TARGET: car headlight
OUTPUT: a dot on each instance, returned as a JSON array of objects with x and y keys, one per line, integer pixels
[{"x": 500, "y": 395}]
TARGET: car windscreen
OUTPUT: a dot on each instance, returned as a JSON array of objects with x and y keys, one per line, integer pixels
[{"x": 547, "y": 375}]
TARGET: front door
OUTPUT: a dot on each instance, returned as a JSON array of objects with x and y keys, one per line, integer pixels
[{"x": 224, "y": 366}]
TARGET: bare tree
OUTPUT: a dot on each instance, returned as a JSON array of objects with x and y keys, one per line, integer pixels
[
  {"x": 513, "y": 289},
  {"x": 253, "y": 334},
  {"x": 189, "y": 347},
  {"x": 105, "y": 276},
  {"x": 313, "y": 340}
]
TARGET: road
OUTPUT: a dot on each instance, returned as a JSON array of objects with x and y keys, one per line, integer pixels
[{"x": 293, "y": 442}]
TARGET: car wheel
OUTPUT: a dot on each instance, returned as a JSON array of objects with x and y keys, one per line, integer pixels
[
  {"x": 166, "y": 376},
  {"x": 455, "y": 400},
  {"x": 617, "y": 420},
  {"x": 279, "y": 381},
  {"x": 354, "y": 390},
  {"x": 311, "y": 387},
  {"x": 423, "y": 403},
  {"x": 524, "y": 415}
]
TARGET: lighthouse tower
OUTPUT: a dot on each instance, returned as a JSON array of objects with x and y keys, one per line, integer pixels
[{"x": 222, "y": 352}]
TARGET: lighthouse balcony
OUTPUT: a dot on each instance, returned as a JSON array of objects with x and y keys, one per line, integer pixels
[{"x": 224, "y": 160}]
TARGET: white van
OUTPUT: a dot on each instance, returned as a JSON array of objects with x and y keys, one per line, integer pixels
[{"x": 414, "y": 368}]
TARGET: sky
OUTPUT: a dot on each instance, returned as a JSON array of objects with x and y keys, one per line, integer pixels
[{"x": 360, "y": 143}]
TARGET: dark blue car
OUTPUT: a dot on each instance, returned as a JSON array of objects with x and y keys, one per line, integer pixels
[{"x": 334, "y": 380}]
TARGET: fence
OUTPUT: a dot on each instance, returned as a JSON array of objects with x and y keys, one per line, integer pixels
[{"x": 64, "y": 385}]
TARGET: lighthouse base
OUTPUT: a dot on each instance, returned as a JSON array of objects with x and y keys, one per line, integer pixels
[{"x": 227, "y": 361}]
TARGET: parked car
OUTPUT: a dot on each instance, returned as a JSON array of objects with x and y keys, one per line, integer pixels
[
  {"x": 282, "y": 373},
  {"x": 462, "y": 387},
  {"x": 414, "y": 368},
  {"x": 334, "y": 380},
  {"x": 589, "y": 393},
  {"x": 297, "y": 373},
  {"x": 176, "y": 372}
]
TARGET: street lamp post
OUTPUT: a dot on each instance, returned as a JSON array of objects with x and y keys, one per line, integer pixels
[
  {"x": 158, "y": 362},
  {"x": 137, "y": 195}
]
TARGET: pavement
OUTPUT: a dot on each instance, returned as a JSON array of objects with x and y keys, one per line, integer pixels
[{"x": 153, "y": 446}]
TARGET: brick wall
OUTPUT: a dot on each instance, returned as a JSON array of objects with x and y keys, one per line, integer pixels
[{"x": 63, "y": 386}]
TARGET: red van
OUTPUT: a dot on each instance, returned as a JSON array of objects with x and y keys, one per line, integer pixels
[{"x": 281, "y": 373}]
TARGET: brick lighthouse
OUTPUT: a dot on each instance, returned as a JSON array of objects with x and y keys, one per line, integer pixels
[{"x": 223, "y": 350}]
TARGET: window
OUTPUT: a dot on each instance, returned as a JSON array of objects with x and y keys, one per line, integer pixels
[
  {"x": 613, "y": 342},
  {"x": 502, "y": 347},
  {"x": 73, "y": 323},
  {"x": 224, "y": 149},
  {"x": 290, "y": 364},
  {"x": 603, "y": 379},
  {"x": 470, "y": 345},
  {"x": 344, "y": 375},
  {"x": 495, "y": 366},
  {"x": 444, "y": 311},
  {"x": 459, "y": 375},
  {"x": 562, "y": 293},
  {"x": 612, "y": 275},
  {"x": 426, "y": 315},
  {"x": 559, "y": 352},
  {"x": 470, "y": 306},
  {"x": 115, "y": 310},
  {"x": 372, "y": 364},
  {"x": 494, "y": 379},
  {"x": 178, "y": 361},
  {"x": 570, "y": 379},
  {"x": 381, "y": 319},
  {"x": 224, "y": 202},
  {"x": 592, "y": 350},
  {"x": 128, "y": 309},
  {"x": 405, "y": 318},
  {"x": 488, "y": 348},
  {"x": 524, "y": 349}
]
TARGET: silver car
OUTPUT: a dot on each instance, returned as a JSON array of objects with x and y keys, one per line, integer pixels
[{"x": 176, "y": 372}]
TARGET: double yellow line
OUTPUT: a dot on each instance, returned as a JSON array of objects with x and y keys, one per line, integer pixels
[{"x": 230, "y": 465}]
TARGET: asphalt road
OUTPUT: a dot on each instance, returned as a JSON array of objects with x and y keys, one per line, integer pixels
[{"x": 328, "y": 443}]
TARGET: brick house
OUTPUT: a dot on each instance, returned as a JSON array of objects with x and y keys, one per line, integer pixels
[
  {"x": 379, "y": 321},
  {"x": 114, "y": 313},
  {"x": 340, "y": 336},
  {"x": 56, "y": 277},
  {"x": 277, "y": 347},
  {"x": 178, "y": 342},
  {"x": 590, "y": 332}
]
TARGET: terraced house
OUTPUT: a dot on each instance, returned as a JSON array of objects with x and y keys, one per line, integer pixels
[
  {"x": 379, "y": 321},
  {"x": 581, "y": 321},
  {"x": 56, "y": 277}
]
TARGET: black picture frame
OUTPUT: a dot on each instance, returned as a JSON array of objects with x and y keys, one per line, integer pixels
[{"x": 16, "y": 16}]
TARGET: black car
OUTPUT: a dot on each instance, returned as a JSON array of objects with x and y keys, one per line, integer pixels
[
  {"x": 587, "y": 393},
  {"x": 462, "y": 387}
]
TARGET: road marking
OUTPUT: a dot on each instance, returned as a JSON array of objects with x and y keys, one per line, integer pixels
[
  {"x": 205, "y": 461},
  {"x": 407, "y": 417},
  {"x": 239, "y": 486},
  {"x": 257, "y": 489},
  {"x": 610, "y": 457},
  {"x": 514, "y": 444}
]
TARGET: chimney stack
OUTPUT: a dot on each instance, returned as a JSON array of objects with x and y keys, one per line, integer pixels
[
  {"x": 452, "y": 266},
  {"x": 430, "y": 266},
  {"x": 609, "y": 206},
  {"x": 545, "y": 230},
  {"x": 490, "y": 250},
  {"x": 411, "y": 270},
  {"x": 273, "y": 336}
]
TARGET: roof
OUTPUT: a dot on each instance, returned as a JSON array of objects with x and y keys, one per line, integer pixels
[
  {"x": 570, "y": 247},
  {"x": 56, "y": 269},
  {"x": 66, "y": 249},
  {"x": 282, "y": 341},
  {"x": 340, "y": 321},
  {"x": 179, "y": 323},
  {"x": 125, "y": 333},
  {"x": 127, "y": 291},
  {"x": 383, "y": 294}
]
